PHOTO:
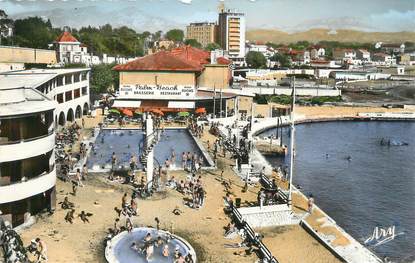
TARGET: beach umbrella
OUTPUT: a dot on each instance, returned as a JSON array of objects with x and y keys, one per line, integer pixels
[
  {"x": 157, "y": 111},
  {"x": 127, "y": 112},
  {"x": 114, "y": 111},
  {"x": 138, "y": 112},
  {"x": 183, "y": 114},
  {"x": 200, "y": 110}
]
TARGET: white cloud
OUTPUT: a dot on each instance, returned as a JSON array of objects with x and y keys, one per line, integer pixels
[{"x": 396, "y": 21}]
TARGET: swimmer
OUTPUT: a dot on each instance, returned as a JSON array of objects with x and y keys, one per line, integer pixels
[
  {"x": 166, "y": 251},
  {"x": 349, "y": 158}
]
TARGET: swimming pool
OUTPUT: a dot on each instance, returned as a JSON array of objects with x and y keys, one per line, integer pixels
[
  {"x": 119, "y": 249},
  {"x": 126, "y": 142}
]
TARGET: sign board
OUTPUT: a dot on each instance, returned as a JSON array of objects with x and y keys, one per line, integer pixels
[{"x": 157, "y": 91}]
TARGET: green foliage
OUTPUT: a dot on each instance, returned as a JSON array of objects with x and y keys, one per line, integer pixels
[
  {"x": 260, "y": 99},
  {"x": 255, "y": 59},
  {"x": 212, "y": 46},
  {"x": 280, "y": 99},
  {"x": 34, "y": 32},
  {"x": 283, "y": 59},
  {"x": 193, "y": 43},
  {"x": 175, "y": 35},
  {"x": 273, "y": 45},
  {"x": 300, "y": 45},
  {"x": 122, "y": 41},
  {"x": 74, "y": 65},
  {"x": 103, "y": 78}
]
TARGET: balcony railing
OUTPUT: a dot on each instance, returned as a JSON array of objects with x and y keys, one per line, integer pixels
[{"x": 4, "y": 141}]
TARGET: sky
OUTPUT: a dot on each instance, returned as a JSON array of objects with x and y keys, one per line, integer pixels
[{"x": 285, "y": 15}]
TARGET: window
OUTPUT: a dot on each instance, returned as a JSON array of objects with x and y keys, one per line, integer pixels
[
  {"x": 68, "y": 95},
  {"x": 77, "y": 77},
  {"x": 84, "y": 91},
  {"x": 68, "y": 79},
  {"x": 84, "y": 75},
  {"x": 77, "y": 93},
  {"x": 59, "y": 98},
  {"x": 59, "y": 81}
]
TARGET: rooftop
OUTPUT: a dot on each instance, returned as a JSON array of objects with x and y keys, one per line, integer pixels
[
  {"x": 161, "y": 61},
  {"x": 33, "y": 77},
  {"x": 66, "y": 37},
  {"x": 16, "y": 101}
]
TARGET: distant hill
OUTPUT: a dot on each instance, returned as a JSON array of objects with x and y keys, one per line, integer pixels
[{"x": 341, "y": 35}]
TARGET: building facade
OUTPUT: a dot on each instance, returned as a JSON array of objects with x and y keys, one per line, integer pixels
[
  {"x": 27, "y": 161},
  {"x": 68, "y": 87},
  {"x": 204, "y": 33},
  {"x": 231, "y": 34}
]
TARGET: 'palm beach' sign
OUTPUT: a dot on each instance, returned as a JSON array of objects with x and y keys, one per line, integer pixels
[{"x": 157, "y": 91}]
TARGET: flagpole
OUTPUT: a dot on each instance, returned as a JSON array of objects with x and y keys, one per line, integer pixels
[
  {"x": 214, "y": 101},
  {"x": 292, "y": 144}
]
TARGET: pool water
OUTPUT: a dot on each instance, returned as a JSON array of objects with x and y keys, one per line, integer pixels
[
  {"x": 120, "y": 248},
  {"x": 375, "y": 188},
  {"x": 127, "y": 142}
]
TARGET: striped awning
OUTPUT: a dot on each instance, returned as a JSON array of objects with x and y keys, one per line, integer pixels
[
  {"x": 181, "y": 104},
  {"x": 126, "y": 104}
]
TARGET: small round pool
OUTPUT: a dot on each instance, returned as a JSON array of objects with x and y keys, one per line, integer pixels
[{"x": 119, "y": 249}]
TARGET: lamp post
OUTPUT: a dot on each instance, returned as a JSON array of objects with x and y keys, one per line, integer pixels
[{"x": 292, "y": 144}]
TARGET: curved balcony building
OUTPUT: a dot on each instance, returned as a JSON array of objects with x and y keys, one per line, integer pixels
[{"x": 27, "y": 163}]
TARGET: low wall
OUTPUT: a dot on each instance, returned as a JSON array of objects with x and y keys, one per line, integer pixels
[
  {"x": 298, "y": 91},
  {"x": 27, "y": 55}
]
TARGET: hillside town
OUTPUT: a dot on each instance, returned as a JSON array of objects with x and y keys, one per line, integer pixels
[{"x": 181, "y": 146}]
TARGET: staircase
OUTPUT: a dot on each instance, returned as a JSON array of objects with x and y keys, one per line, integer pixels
[
  {"x": 276, "y": 215},
  {"x": 148, "y": 147}
]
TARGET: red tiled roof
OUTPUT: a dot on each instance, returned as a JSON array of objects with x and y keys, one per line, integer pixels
[
  {"x": 193, "y": 54},
  {"x": 66, "y": 37},
  {"x": 160, "y": 61},
  {"x": 223, "y": 61}
]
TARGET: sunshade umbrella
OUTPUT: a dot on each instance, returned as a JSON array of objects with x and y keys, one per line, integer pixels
[
  {"x": 115, "y": 111},
  {"x": 200, "y": 110},
  {"x": 158, "y": 112},
  {"x": 183, "y": 114},
  {"x": 127, "y": 112},
  {"x": 138, "y": 112}
]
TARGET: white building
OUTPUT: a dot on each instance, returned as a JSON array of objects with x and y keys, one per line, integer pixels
[
  {"x": 27, "y": 161},
  {"x": 231, "y": 32},
  {"x": 383, "y": 59},
  {"x": 68, "y": 87},
  {"x": 70, "y": 50},
  {"x": 363, "y": 55}
]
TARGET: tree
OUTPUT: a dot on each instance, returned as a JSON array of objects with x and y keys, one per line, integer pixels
[
  {"x": 102, "y": 78},
  {"x": 193, "y": 43},
  {"x": 256, "y": 59},
  {"x": 212, "y": 46},
  {"x": 33, "y": 32},
  {"x": 175, "y": 35},
  {"x": 283, "y": 60}
]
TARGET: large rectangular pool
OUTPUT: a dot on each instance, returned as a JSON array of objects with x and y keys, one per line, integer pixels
[{"x": 126, "y": 142}]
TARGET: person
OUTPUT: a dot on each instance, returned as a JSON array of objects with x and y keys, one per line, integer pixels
[
  {"x": 180, "y": 258},
  {"x": 166, "y": 252},
  {"x": 149, "y": 251},
  {"x": 84, "y": 172},
  {"x": 116, "y": 229},
  {"x": 70, "y": 216},
  {"x": 157, "y": 223},
  {"x": 159, "y": 241},
  {"x": 79, "y": 178},
  {"x": 133, "y": 205},
  {"x": 208, "y": 145},
  {"x": 74, "y": 187},
  {"x": 124, "y": 201},
  {"x": 42, "y": 250},
  {"x": 310, "y": 203},
  {"x": 129, "y": 225},
  {"x": 261, "y": 196},
  {"x": 66, "y": 204},
  {"x": 113, "y": 160},
  {"x": 184, "y": 160},
  {"x": 83, "y": 123},
  {"x": 189, "y": 258},
  {"x": 84, "y": 216}
]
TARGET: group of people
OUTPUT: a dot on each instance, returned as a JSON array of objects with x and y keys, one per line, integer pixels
[
  {"x": 163, "y": 245},
  {"x": 192, "y": 162},
  {"x": 195, "y": 128}
]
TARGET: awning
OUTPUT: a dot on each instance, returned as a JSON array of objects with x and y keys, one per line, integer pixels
[
  {"x": 181, "y": 104},
  {"x": 126, "y": 104}
]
